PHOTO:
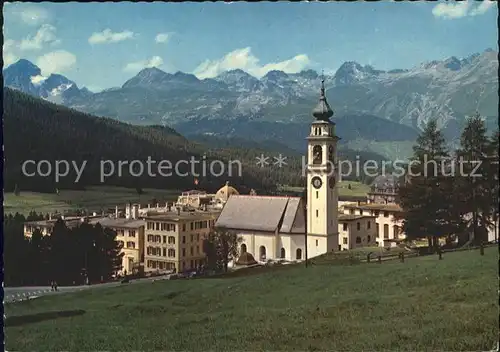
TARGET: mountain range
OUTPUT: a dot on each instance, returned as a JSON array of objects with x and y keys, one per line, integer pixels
[{"x": 375, "y": 110}]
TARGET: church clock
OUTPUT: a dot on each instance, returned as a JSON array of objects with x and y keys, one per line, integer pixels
[{"x": 316, "y": 182}]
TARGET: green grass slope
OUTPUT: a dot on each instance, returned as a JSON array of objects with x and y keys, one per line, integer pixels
[{"x": 422, "y": 304}]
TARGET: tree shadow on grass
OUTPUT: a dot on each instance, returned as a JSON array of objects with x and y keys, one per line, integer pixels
[{"x": 20, "y": 320}]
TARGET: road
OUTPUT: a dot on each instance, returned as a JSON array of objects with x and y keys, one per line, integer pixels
[{"x": 12, "y": 294}]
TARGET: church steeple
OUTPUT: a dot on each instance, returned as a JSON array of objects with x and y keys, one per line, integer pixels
[{"x": 322, "y": 111}]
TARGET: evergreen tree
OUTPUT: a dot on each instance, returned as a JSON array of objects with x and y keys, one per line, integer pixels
[
  {"x": 493, "y": 179},
  {"x": 426, "y": 200},
  {"x": 474, "y": 178}
]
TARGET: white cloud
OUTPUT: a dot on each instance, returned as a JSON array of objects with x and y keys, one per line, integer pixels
[
  {"x": 155, "y": 61},
  {"x": 482, "y": 8},
  {"x": 454, "y": 10},
  {"x": 163, "y": 37},
  {"x": 31, "y": 14},
  {"x": 244, "y": 59},
  {"x": 8, "y": 56},
  {"x": 107, "y": 36},
  {"x": 45, "y": 35},
  {"x": 36, "y": 80},
  {"x": 56, "y": 62}
]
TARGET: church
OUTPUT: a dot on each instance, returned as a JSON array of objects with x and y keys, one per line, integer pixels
[{"x": 275, "y": 227}]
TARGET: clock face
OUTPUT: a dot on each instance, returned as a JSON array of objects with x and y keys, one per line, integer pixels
[
  {"x": 332, "y": 181},
  {"x": 316, "y": 182}
]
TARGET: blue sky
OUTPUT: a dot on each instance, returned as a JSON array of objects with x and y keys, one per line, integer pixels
[{"x": 101, "y": 45}]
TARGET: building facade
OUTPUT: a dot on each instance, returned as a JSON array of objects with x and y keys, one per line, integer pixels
[
  {"x": 357, "y": 231},
  {"x": 174, "y": 240}
]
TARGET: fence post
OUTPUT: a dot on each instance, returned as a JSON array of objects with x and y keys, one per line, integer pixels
[
  {"x": 440, "y": 253},
  {"x": 402, "y": 257},
  {"x": 368, "y": 258},
  {"x": 380, "y": 259},
  {"x": 481, "y": 249}
]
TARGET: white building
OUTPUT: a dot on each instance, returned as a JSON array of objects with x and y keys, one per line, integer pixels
[{"x": 275, "y": 227}]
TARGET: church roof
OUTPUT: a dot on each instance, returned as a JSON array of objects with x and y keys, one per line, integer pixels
[
  {"x": 322, "y": 111},
  {"x": 263, "y": 213}
]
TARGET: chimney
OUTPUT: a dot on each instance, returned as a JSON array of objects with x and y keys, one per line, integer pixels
[{"x": 135, "y": 211}]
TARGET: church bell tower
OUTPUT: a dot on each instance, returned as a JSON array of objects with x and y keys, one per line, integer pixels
[{"x": 322, "y": 176}]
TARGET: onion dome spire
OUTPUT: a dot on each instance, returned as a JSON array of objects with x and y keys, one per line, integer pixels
[{"x": 322, "y": 111}]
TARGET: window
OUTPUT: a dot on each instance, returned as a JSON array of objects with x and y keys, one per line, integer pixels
[
  {"x": 316, "y": 243},
  {"x": 171, "y": 240},
  {"x": 131, "y": 244},
  {"x": 183, "y": 239},
  {"x": 162, "y": 226},
  {"x": 150, "y": 238},
  {"x": 345, "y": 240},
  {"x": 131, "y": 233},
  {"x": 243, "y": 248},
  {"x": 157, "y": 226},
  {"x": 192, "y": 238},
  {"x": 171, "y": 252},
  {"x": 298, "y": 254},
  {"x": 317, "y": 212},
  {"x": 183, "y": 227},
  {"x": 164, "y": 239},
  {"x": 164, "y": 252},
  {"x": 192, "y": 226},
  {"x": 360, "y": 211},
  {"x": 317, "y": 194},
  {"x": 358, "y": 226},
  {"x": 351, "y": 211},
  {"x": 386, "y": 214},
  {"x": 158, "y": 238},
  {"x": 377, "y": 213},
  {"x": 150, "y": 226},
  {"x": 358, "y": 239},
  {"x": 368, "y": 225},
  {"x": 369, "y": 238},
  {"x": 386, "y": 231},
  {"x": 282, "y": 253},
  {"x": 192, "y": 250},
  {"x": 197, "y": 250},
  {"x": 344, "y": 226}
]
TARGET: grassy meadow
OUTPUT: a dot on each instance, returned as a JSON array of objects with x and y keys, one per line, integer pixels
[
  {"x": 422, "y": 304},
  {"x": 93, "y": 198}
]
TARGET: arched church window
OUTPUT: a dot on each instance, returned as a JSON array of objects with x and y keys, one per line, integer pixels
[
  {"x": 243, "y": 248},
  {"x": 317, "y": 154},
  {"x": 262, "y": 253},
  {"x": 299, "y": 254},
  {"x": 282, "y": 254}
]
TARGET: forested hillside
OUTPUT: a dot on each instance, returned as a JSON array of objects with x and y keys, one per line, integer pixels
[{"x": 38, "y": 130}]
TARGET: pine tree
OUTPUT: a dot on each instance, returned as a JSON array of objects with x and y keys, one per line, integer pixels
[
  {"x": 474, "y": 178},
  {"x": 426, "y": 200}
]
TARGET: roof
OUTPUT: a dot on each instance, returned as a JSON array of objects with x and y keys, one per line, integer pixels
[
  {"x": 194, "y": 215},
  {"x": 120, "y": 222},
  {"x": 225, "y": 192},
  {"x": 375, "y": 206},
  {"x": 322, "y": 111},
  {"x": 246, "y": 259},
  {"x": 263, "y": 213},
  {"x": 352, "y": 217}
]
